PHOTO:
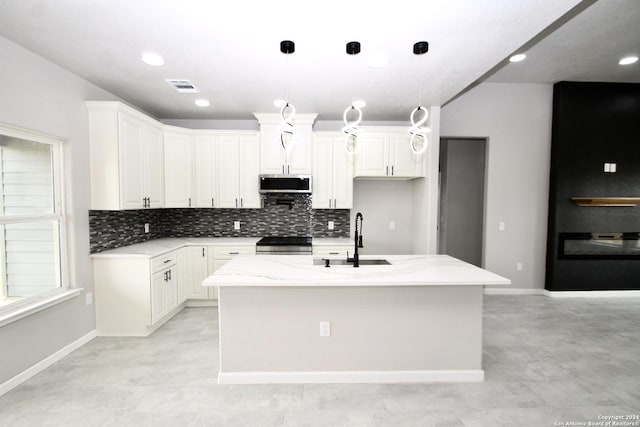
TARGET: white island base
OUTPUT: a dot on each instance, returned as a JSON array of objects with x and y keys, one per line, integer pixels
[{"x": 416, "y": 320}]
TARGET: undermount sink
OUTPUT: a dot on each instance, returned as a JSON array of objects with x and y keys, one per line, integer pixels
[{"x": 322, "y": 261}]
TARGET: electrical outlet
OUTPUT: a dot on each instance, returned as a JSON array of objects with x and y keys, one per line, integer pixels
[
  {"x": 392, "y": 225},
  {"x": 325, "y": 329},
  {"x": 331, "y": 225},
  {"x": 236, "y": 225},
  {"x": 89, "y": 298},
  {"x": 501, "y": 226},
  {"x": 518, "y": 266},
  {"x": 146, "y": 228}
]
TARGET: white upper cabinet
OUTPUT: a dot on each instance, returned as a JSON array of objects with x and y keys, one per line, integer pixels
[
  {"x": 385, "y": 152},
  {"x": 126, "y": 158},
  {"x": 332, "y": 172},
  {"x": 238, "y": 166},
  {"x": 179, "y": 177},
  {"x": 206, "y": 172},
  {"x": 273, "y": 159}
]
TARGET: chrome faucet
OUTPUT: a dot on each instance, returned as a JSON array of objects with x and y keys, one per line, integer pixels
[{"x": 357, "y": 243}]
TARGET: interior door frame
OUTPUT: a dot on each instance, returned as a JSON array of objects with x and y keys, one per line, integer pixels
[{"x": 487, "y": 148}]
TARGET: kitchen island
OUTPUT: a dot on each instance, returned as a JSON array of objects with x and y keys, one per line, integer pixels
[{"x": 286, "y": 319}]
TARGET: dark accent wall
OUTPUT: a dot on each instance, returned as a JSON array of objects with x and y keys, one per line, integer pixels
[
  {"x": 113, "y": 229},
  {"x": 593, "y": 124}
]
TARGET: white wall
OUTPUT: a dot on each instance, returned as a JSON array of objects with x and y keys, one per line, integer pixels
[
  {"x": 516, "y": 119},
  {"x": 41, "y": 96},
  {"x": 382, "y": 201}
]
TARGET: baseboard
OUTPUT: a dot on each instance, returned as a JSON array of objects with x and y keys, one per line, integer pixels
[
  {"x": 201, "y": 303},
  {"x": 592, "y": 294},
  {"x": 327, "y": 377},
  {"x": 512, "y": 291},
  {"x": 45, "y": 363}
]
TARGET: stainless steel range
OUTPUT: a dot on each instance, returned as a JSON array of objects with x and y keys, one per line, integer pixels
[{"x": 284, "y": 245}]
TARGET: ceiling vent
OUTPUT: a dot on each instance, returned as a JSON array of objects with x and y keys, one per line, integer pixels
[{"x": 182, "y": 86}]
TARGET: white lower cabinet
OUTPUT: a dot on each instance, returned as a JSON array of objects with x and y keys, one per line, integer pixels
[
  {"x": 135, "y": 295},
  {"x": 333, "y": 251},
  {"x": 203, "y": 261},
  {"x": 198, "y": 271}
]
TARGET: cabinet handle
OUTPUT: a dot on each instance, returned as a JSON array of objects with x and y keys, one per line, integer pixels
[
  {"x": 282, "y": 169},
  {"x": 144, "y": 202},
  {"x": 335, "y": 203},
  {"x": 213, "y": 205},
  {"x": 387, "y": 171},
  {"x": 234, "y": 253},
  {"x": 334, "y": 253},
  {"x": 189, "y": 201},
  {"x": 236, "y": 203},
  {"x": 391, "y": 170},
  {"x": 169, "y": 274},
  {"x": 165, "y": 276},
  {"x": 167, "y": 260},
  {"x": 288, "y": 169},
  {"x": 203, "y": 252},
  {"x": 329, "y": 203},
  {"x": 240, "y": 201}
]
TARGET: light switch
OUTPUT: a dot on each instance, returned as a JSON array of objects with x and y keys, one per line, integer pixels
[
  {"x": 236, "y": 225},
  {"x": 146, "y": 228},
  {"x": 331, "y": 225}
]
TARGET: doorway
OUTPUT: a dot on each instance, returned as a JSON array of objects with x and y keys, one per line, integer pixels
[{"x": 462, "y": 198}]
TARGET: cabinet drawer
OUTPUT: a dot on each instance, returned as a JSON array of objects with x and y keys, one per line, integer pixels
[
  {"x": 332, "y": 250},
  {"x": 164, "y": 261},
  {"x": 228, "y": 252}
]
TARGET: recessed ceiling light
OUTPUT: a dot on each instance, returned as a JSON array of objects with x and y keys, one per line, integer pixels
[
  {"x": 359, "y": 103},
  {"x": 518, "y": 57},
  {"x": 628, "y": 60},
  {"x": 378, "y": 60},
  {"x": 279, "y": 103},
  {"x": 152, "y": 59},
  {"x": 202, "y": 103}
]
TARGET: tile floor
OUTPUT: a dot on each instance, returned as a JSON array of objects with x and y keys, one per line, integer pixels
[{"x": 547, "y": 362}]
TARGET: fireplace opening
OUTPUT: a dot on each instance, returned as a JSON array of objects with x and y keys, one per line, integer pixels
[{"x": 599, "y": 245}]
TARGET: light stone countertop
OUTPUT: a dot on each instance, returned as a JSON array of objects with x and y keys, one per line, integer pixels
[
  {"x": 299, "y": 270},
  {"x": 158, "y": 247}
]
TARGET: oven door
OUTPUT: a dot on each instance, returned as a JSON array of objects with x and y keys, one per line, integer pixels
[{"x": 284, "y": 250}]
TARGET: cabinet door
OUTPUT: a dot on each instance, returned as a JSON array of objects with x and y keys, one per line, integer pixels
[
  {"x": 197, "y": 272},
  {"x": 403, "y": 161},
  {"x": 299, "y": 158},
  {"x": 158, "y": 306},
  {"x": 171, "y": 289},
  {"x": 153, "y": 158},
  {"x": 182, "y": 270},
  {"x": 228, "y": 159},
  {"x": 130, "y": 143},
  {"x": 322, "y": 196},
  {"x": 272, "y": 159},
  {"x": 206, "y": 181},
  {"x": 372, "y": 158},
  {"x": 342, "y": 175},
  {"x": 249, "y": 167},
  {"x": 178, "y": 169}
]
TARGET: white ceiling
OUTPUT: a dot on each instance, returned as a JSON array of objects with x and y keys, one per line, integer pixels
[{"x": 230, "y": 49}]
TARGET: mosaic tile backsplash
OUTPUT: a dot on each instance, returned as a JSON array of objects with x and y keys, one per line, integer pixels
[{"x": 282, "y": 215}]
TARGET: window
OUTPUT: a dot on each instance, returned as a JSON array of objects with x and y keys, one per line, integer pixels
[{"x": 31, "y": 217}]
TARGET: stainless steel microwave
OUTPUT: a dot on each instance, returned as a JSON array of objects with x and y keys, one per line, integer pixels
[{"x": 285, "y": 183}]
